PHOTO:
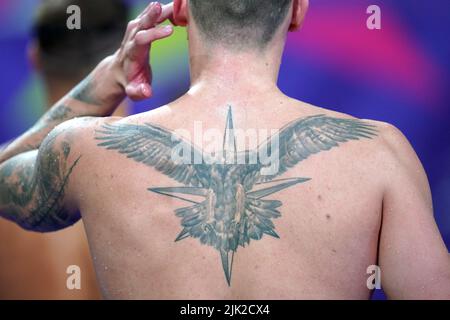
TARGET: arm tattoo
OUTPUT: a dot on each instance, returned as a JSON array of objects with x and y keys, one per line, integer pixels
[
  {"x": 32, "y": 187},
  {"x": 59, "y": 113},
  {"x": 234, "y": 210},
  {"x": 84, "y": 92}
]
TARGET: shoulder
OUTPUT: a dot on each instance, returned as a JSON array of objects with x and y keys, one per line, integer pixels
[
  {"x": 82, "y": 126},
  {"x": 72, "y": 141},
  {"x": 394, "y": 146},
  {"x": 83, "y": 134},
  {"x": 389, "y": 150},
  {"x": 389, "y": 141},
  {"x": 395, "y": 161},
  {"x": 68, "y": 155},
  {"x": 78, "y": 132}
]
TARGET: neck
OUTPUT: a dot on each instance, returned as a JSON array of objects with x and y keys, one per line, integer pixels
[{"x": 221, "y": 72}]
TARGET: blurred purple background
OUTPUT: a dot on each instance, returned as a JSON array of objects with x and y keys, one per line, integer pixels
[{"x": 399, "y": 74}]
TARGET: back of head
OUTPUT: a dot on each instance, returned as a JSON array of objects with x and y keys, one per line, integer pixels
[
  {"x": 71, "y": 54},
  {"x": 239, "y": 24}
]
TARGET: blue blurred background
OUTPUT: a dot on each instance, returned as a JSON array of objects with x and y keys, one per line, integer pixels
[{"x": 399, "y": 74}]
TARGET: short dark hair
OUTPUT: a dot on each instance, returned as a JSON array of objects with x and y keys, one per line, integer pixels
[
  {"x": 71, "y": 54},
  {"x": 240, "y": 23}
]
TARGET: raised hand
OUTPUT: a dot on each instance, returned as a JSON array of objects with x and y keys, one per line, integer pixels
[
  {"x": 127, "y": 72},
  {"x": 131, "y": 61}
]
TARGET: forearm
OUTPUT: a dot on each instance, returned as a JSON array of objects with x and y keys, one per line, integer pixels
[{"x": 98, "y": 95}]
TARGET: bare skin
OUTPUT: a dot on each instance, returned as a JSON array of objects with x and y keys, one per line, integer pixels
[{"x": 365, "y": 201}]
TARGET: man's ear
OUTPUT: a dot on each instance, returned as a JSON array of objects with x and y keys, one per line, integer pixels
[
  {"x": 34, "y": 55},
  {"x": 300, "y": 7},
  {"x": 180, "y": 12}
]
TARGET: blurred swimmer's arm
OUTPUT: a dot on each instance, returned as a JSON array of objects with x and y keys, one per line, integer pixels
[{"x": 35, "y": 169}]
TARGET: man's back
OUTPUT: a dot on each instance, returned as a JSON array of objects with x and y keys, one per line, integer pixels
[{"x": 328, "y": 226}]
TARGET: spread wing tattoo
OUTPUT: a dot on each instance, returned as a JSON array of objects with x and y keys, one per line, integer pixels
[{"x": 233, "y": 209}]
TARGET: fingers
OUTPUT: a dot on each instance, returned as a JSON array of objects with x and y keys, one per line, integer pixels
[
  {"x": 146, "y": 33},
  {"x": 146, "y": 10},
  {"x": 150, "y": 19},
  {"x": 140, "y": 46},
  {"x": 145, "y": 37},
  {"x": 152, "y": 15},
  {"x": 131, "y": 27},
  {"x": 147, "y": 19},
  {"x": 166, "y": 13},
  {"x": 140, "y": 33},
  {"x": 138, "y": 91}
]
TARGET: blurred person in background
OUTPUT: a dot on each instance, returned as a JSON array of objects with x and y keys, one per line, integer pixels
[{"x": 32, "y": 265}]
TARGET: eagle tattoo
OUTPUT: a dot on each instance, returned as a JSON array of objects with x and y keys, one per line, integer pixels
[{"x": 235, "y": 209}]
